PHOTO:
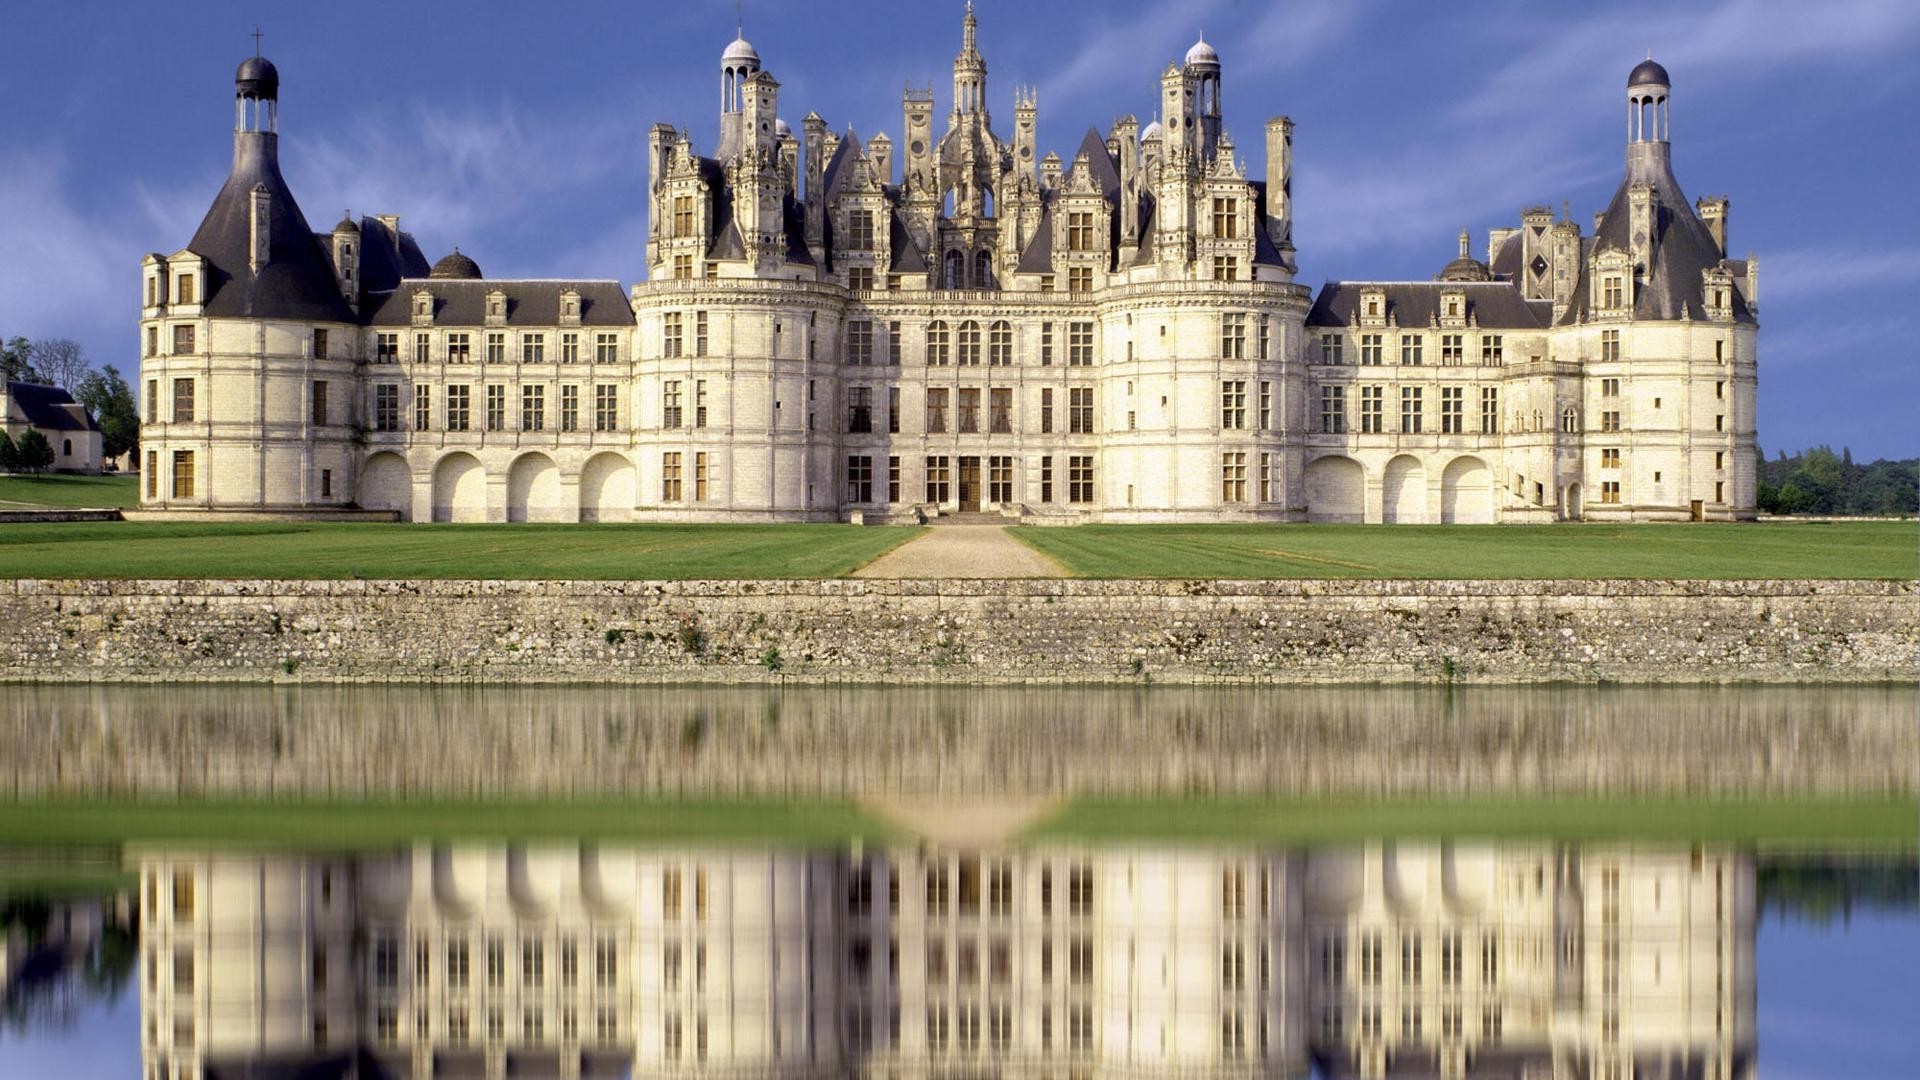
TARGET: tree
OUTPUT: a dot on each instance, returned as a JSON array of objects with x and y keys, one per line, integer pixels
[
  {"x": 109, "y": 400},
  {"x": 16, "y": 360},
  {"x": 9, "y": 453},
  {"x": 35, "y": 451},
  {"x": 59, "y": 361}
]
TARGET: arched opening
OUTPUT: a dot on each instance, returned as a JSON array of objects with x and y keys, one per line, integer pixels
[
  {"x": 459, "y": 489},
  {"x": 986, "y": 199},
  {"x": 606, "y": 489},
  {"x": 1336, "y": 490},
  {"x": 533, "y": 490},
  {"x": 946, "y": 204},
  {"x": 983, "y": 270},
  {"x": 956, "y": 271},
  {"x": 386, "y": 483},
  {"x": 1466, "y": 492},
  {"x": 1403, "y": 492}
]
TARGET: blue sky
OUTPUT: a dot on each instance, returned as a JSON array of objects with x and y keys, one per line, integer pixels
[{"x": 517, "y": 131}]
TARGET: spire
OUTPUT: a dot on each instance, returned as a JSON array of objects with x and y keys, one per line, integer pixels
[{"x": 1466, "y": 243}]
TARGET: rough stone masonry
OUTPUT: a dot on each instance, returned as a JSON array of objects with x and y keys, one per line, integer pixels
[{"x": 949, "y": 631}]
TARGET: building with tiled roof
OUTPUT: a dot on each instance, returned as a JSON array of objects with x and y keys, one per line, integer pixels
[
  {"x": 838, "y": 327},
  {"x": 62, "y": 421}
]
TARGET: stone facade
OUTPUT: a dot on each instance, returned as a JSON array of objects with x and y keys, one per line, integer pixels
[
  {"x": 823, "y": 336},
  {"x": 878, "y": 631}
]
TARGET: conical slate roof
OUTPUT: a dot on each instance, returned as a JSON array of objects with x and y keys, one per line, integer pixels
[{"x": 297, "y": 280}]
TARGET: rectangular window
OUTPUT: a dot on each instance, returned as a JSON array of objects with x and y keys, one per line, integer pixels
[
  {"x": 1233, "y": 336},
  {"x": 569, "y": 348},
  {"x": 1046, "y": 344},
  {"x": 859, "y": 341},
  {"x": 701, "y": 476},
  {"x": 183, "y": 401},
  {"x": 1609, "y": 345},
  {"x": 683, "y": 215},
  {"x": 422, "y": 348},
  {"x": 1046, "y": 410},
  {"x": 1333, "y": 410},
  {"x": 860, "y": 230},
  {"x": 496, "y": 407},
  {"x": 1046, "y": 496},
  {"x": 459, "y": 401},
  {"x": 153, "y": 401},
  {"x": 1410, "y": 410},
  {"x": 859, "y": 409},
  {"x": 318, "y": 398},
  {"x": 422, "y": 407},
  {"x": 1080, "y": 410},
  {"x": 1330, "y": 349},
  {"x": 699, "y": 336},
  {"x": 670, "y": 412},
  {"x": 1372, "y": 405},
  {"x": 533, "y": 348},
  {"x": 533, "y": 408},
  {"x": 893, "y": 479},
  {"x": 1080, "y": 344},
  {"x": 1412, "y": 348},
  {"x": 969, "y": 410},
  {"x": 1226, "y": 218},
  {"x": 496, "y": 348},
  {"x": 459, "y": 349},
  {"x": 606, "y": 348},
  {"x": 1000, "y": 480},
  {"x": 153, "y": 474},
  {"x": 183, "y": 478},
  {"x": 1000, "y": 410},
  {"x": 386, "y": 348},
  {"x": 1266, "y": 406},
  {"x": 1233, "y": 477},
  {"x": 893, "y": 343},
  {"x": 1080, "y": 231},
  {"x": 859, "y": 479},
  {"x": 682, "y": 267},
  {"x": 1493, "y": 349},
  {"x": 1452, "y": 410},
  {"x": 188, "y": 294},
  {"x": 700, "y": 403},
  {"x": 1609, "y": 421},
  {"x": 570, "y": 408},
  {"x": 939, "y": 480},
  {"x": 153, "y": 340},
  {"x": 670, "y": 330},
  {"x": 606, "y": 407},
  {"x": 1080, "y": 478},
  {"x": 1610, "y": 491},
  {"x": 1609, "y": 387},
  {"x": 182, "y": 339},
  {"x": 386, "y": 407},
  {"x": 936, "y": 410},
  {"x": 1233, "y": 404},
  {"x": 1453, "y": 349},
  {"x": 1611, "y": 292},
  {"x": 938, "y": 344},
  {"x": 1372, "y": 349},
  {"x": 1264, "y": 337},
  {"x": 1610, "y": 457},
  {"x": 1489, "y": 410},
  {"x": 1225, "y": 268},
  {"x": 1079, "y": 279},
  {"x": 670, "y": 476},
  {"x": 319, "y": 343}
]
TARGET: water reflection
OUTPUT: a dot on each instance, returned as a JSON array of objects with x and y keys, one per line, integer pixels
[{"x": 1505, "y": 959}]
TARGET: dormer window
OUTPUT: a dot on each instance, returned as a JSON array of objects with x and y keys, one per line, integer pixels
[
  {"x": 422, "y": 304},
  {"x": 186, "y": 289},
  {"x": 496, "y": 308},
  {"x": 1373, "y": 307},
  {"x": 1612, "y": 292},
  {"x": 570, "y": 306}
]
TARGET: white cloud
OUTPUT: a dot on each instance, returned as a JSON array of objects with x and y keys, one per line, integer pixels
[
  {"x": 67, "y": 273},
  {"x": 1809, "y": 272}
]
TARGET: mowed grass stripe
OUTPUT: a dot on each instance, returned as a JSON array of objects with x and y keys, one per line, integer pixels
[{"x": 1876, "y": 550}]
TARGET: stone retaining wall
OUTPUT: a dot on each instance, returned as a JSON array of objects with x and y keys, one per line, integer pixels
[{"x": 961, "y": 631}]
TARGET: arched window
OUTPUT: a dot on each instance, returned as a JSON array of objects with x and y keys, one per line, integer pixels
[
  {"x": 956, "y": 265},
  {"x": 983, "y": 270},
  {"x": 986, "y": 199},
  {"x": 1000, "y": 344},
  {"x": 1569, "y": 421},
  {"x": 937, "y": 355},
  {"x": 66, "y": 447},
  {"x": 969, "y": 344}
]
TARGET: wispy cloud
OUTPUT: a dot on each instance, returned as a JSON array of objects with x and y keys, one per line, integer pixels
[
  {"x": 67, "y": 273},
  {"x": 1811, "y": 272}
]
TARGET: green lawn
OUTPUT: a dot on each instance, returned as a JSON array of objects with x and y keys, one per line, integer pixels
[
  {"x": 381, "y": 822},
  {"x": 1786, "y": 821},
  {"x": 347, "y": 549},
  {"x": 1866, "y": 549},
  {"x": 65, "y": 492}
]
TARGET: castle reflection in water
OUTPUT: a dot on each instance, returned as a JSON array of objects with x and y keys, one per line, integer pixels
[{"x": 1518, "y": 960}]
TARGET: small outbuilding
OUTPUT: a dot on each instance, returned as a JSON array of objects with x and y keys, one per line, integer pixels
[{"x": 62, "y": 421}]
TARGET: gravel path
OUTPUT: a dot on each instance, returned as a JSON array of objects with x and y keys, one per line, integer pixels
[
  {"x": 962, "y": 551},
  {"x": 962, "y": 822}
]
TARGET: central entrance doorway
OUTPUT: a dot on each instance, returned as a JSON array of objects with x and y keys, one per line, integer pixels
[{"x": 969, "y": 485}]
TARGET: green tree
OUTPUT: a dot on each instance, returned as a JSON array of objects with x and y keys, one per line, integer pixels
[
  {"x": 9, "y": 453},
  {"x": 109, "y": 400},
  {"x": 35, "y": 451},
  {"x": 16, "y": 360}
]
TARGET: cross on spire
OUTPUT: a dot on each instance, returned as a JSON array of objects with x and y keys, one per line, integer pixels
[{"x": 256, "y": 40}]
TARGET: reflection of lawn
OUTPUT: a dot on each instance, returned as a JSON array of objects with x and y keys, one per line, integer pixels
[
  {"x": 1787, "y": 820},
  {"x": 316, "y": 824},
  {"x": 366, "y": 550},
  {"x": 1855, "y": 549},
  {"x": 56, "y": 490}
]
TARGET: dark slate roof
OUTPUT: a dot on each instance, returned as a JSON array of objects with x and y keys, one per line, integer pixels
[
  {"x": 1264, "y": 253},
  {"x": 1682, "y": 247},
  {"x": 455, "y": 267},
  {"x": 1038, "y": 258},
  {"x": 1105, "y": 172},
  {"x": 529, "y": 303},
  {"x": 49, "y": 407},
  {"x": 1495, "y": 305},
  {"x": 1506, "y": 261},
  {"x": 297, "y": 282},
  {"x": 907, "y": 256},
  {"x": 386, "y": 256},
  {"x": 838, "y": 173},
  {"x": 1648, "y": 73}
]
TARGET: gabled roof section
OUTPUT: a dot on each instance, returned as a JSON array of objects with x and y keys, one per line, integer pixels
[
  {"x": 297, "y": 280},
  {"x": 529, "y": 303},
  {"x": 387, "y": 256},
  {"x": 1038, "y": 257},
  {"x": 49, "y": 407},
  {"x": 1415, "y": 305},
  {"x": 907, "y": 258},
  {"x": 1681, "y": 248},
  {"x": 839, "y": 172},
  {"x": 1105, "y": 172}
]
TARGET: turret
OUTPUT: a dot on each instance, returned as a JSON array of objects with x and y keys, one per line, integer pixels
[
  {"x": 1026, "y": 123},
  {"x": 737, "y": 64},
  {"x": 1536, "y": 265},
  {"x": 1203, "y": 73},
  {"x": 969, "y": 70},
  {"x": 814, "y": 133},
  {"x": 1126, "y": 137},
  {"x": 1648, "y": 130},
  {"x": 346, "y": 259},
  {"x": 1176, "y": 109},
  {"x": 1280, "y": 182},
  {"x": 1713, "y": 213},
  {"x": 880, "y": 153}
]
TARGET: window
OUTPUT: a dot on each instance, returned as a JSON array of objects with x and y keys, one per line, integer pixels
[
  {"x": 1609, "y": 345},
  {"x": 1225, "y": 268},
  {"x": 153, "y": 474},
  {"x": 1266, "y": 406},
  {"x": 1046, "y": 344},
  {"x": 386, "y": 348},
  {"x": 606, "y": 962},
  {"x": 422, "y": 348},
  {"x": 999, "y": 490},
  {"x": 1492, "y": 349},
  {"x": 533, "y": 408},
  {"x": 1046, "y": 410},
  {"x": 1411, "y": 347},
  {"x": 1720, "y": 422},
  {"x": 1080, "y": 231},
  {"x": 1410, "y": 411},
  {"x": 860, "y": 231},
  {"x": 182, "y": 339},
  {"x": 683, "y": 215},
  {"x": 153, "y": 340},
  {"x": 533, "y": 348},
  {"x": 1046, "y": 496},
  {"x": 183, "y": 401},
  {"x": 422, "y": 407},
  {"x": 1610, "y": 421},
  {"x": 670, "y": 476},
  {"x": 459, "y": 349},
  {"x": 1610, "y": 491},
  {"x": 318, "y": 400},
  {"x": 459, "y": 399},
  {"x": 859, "y": 341},
  {"x": 969, "y": 344},
  {"x": 1372, "y": 399},
  {"x": 1264, "y": 335},
  {"x": 1610, "y": 457},
  {"x": 496, "y": 348},
  {"x": 1080, "y": 478},
  {"x": 1333, "y": 410},
  {"x": 1000, "y": 344},
  {"x": 1079, "y": 279},
  {"x": 1080, "y": 344},
  {"x": 893, "y": 343},
  {"x": 939, "y": 490},
  {"x": 606, "y": 348},
  {"x": 1233, "y": 477},
  {"x": 386, "y": 407},
  {"x": 1233, "y": 336},
  {"x": 496, "y": 407},
  {"x": 936, "y": 410},
  {"x": 859, "y": 480},
  {"x": 893, "y": 479},
  {"x": 670, "y": 412},
  {"x": 969, "y": 416},
  {"x": 938, "y": 354},
  {"x": 682, "y": 267},
  {"x": 1609, "y": 387},
  {"x": 1000, "y": 410},
  {"x": 1080, "y": 410},
  {"x": 1233, "y": 404},
  {"x": 860, "y": 409},
  {"x": 1226, "y": 217},
  {"x": 1611, "y": 292},
  {"x": 1569, "y": 421},
  {"x": 570, "y": 408},
  {"x": 1453, "y": 349},
  {"x": 188, "y": 294},
  {"x": 1330, "y": 349},
  {"x": 701, "y": 476},
  {"x": 1452, "y": 410},
  {"x": 1372, "y": 349},
  {"x": 670, "y": 335},
  {"x": 606, "y": 407}
]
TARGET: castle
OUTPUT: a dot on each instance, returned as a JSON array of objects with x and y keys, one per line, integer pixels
[{"x": 821, "y": 336}]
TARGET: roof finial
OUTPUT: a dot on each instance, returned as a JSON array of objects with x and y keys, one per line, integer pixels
[
  {"x": 1466, "y": 242},
  {"x": 256, "y": 41},
  {"x": 739, "y": 20}
]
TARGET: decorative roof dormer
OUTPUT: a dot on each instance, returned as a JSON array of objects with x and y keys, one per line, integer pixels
[
  {"x": 569, "y": 306},
  {"x": 1454, "y": 311},
  {"x": 1716, "y": 293},
  {"x": 496, "y": 311},
  {"x": 1612, "y": 284},
  {"x": 1373, "y": 311},
  {"x": 422, "y": 306}
]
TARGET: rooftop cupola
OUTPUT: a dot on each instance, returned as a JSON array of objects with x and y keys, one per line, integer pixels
[
  {"x": 738, "y": 63},
  {"x": 969, "y": 69},
  {"x": 1649, "y": 130},
  {"x": 1202, "y": 67}
]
